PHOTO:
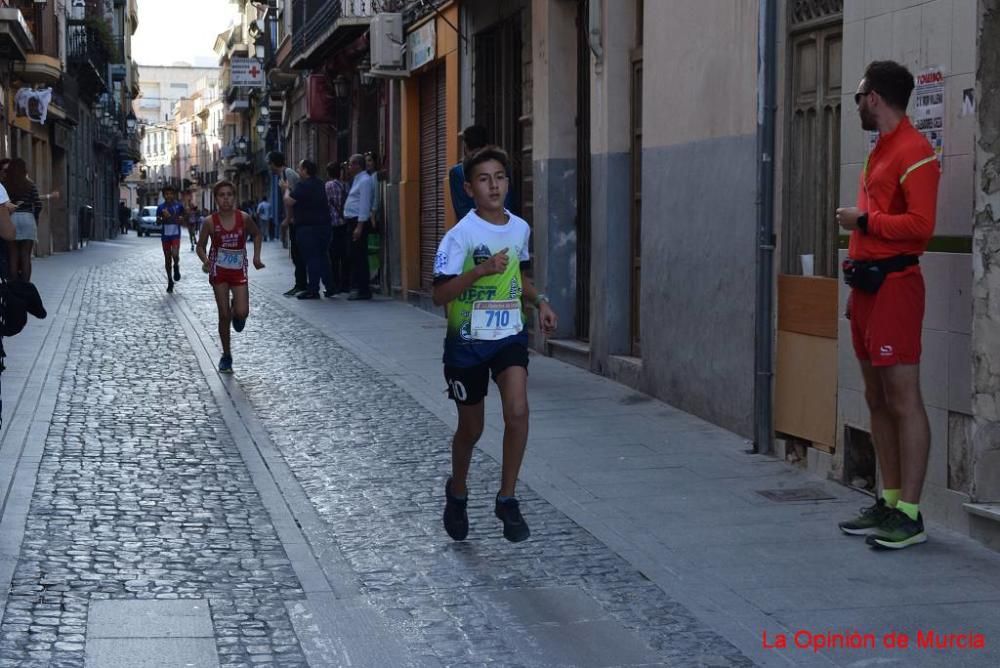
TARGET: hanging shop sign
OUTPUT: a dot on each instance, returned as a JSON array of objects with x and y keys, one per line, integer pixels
[
  {"x": 420, "y": 45},
  {"x": 246, "y": 72}
]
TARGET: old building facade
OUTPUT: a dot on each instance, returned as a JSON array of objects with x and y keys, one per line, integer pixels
[{"x": 687, "y": 256}]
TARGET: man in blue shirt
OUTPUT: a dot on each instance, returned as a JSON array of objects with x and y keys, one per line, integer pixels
[
  {"x": 474, "y": 138},
  {"x": 308, "y": 205},
  {"x": 264, "y": 219},
  {"x": 357, "y": 216}
]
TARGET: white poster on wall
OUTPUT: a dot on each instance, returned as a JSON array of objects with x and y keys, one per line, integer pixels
[{"x": 928, "y": 108}]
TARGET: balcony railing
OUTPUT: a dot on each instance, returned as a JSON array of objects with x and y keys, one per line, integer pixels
[
  {"x": 310, "y": 19},
  {"x": 86, "y": 50},
  {"x": 414, "y": 11}
]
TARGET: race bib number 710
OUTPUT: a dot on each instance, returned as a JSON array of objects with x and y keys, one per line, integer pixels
[{"x": 494, "y": 320}]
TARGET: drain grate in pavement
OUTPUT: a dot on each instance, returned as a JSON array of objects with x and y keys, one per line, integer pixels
[{"x": 795, "y": 494}]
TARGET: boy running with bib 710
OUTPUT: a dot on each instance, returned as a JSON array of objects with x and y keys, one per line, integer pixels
[{"x": 477, "y": 274}]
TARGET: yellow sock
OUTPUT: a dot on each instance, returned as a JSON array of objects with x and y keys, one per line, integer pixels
[
  {"x": 891, "y": 497},
  {"x": 912, "y": 510}
]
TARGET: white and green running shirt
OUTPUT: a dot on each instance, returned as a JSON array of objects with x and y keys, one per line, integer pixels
[{"x": 471, "y": 242}]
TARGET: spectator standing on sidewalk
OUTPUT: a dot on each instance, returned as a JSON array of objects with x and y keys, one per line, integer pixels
[
  {"x": 307, "y": 203},
  {"x": 24, "y": 194},
  {"x": 7, "y": 234},
  {"x": 340, "y": 241},
  {"x": 357, "y": 213},
  {"x": 477, "y": 274},
  {"x": 288, "y": 178},
  {"x": 123, "y": 217},
  {"x": 8, "y": 231},
  {"x": 264, "y": 218},
  {"x": 890, "y": 228},
  {"x": 474, "y": 138}
]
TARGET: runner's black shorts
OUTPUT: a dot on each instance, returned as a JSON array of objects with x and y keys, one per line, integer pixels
[{"x": 469, "y": 385}]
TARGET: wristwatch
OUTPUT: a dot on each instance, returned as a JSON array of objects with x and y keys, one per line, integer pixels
[
  {"x": 863, "y": 223},
  {"x": 542, "y": 297}
]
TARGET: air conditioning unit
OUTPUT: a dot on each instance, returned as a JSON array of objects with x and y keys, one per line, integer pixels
[{"x": 386, "y": 39}]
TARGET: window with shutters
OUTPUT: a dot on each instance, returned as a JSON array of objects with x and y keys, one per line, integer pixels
[
  {"x": 433, "y": 170},
  {"x": 812, "y": 151}
]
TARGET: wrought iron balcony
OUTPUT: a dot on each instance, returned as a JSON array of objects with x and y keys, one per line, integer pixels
[
  {"x": 320, "y": 27},
  {"x": 87, "y": 53}
]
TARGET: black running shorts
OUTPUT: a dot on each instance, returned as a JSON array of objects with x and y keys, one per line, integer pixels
[{"x": 468, "y": 386}]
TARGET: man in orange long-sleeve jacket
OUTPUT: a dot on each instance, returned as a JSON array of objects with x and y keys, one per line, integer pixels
[{"x": 890, "y": 228}]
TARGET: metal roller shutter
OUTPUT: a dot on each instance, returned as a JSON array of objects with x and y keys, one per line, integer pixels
[{"x": 433, "y": 170}]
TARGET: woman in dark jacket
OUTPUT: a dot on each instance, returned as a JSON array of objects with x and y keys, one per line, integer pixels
[{"x": 24, "y": 194}]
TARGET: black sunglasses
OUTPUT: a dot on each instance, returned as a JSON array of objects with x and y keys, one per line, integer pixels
[{"x": 858, "y": 96}]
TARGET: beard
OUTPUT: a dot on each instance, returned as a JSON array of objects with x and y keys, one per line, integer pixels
[{"x": 867, "y": 120}]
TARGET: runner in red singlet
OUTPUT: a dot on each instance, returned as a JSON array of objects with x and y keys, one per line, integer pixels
[{"x": 226, "y": 263}]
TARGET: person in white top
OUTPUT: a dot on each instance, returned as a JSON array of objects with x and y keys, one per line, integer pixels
[{"x": 6, "y": 224}]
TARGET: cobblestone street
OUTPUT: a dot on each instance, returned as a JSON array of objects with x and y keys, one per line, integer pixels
[
  {"x": 158, "y": 513},
  {"x": 142, "y": 495}
]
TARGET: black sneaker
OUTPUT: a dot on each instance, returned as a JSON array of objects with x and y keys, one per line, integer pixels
[
  {"x": 226, "y": 364},
  {"x": 869, "y": 521},
  {"x": 239, "y": 324},
  {"x": 898, "y": 531},
  {"x": 456, "y": 519},
  {"x": 307, "y": 295},
  {"x": 170, "y": 286},
  {"x": 177, "y": 273},
  {"x": 294, "y": 291},
  {"x": 329, "y": 294},
  {"x": 515, "y": 529}
]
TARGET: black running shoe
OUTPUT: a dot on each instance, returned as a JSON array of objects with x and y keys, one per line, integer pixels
[
  {"x": 226, "y": 364},
  {"x": 239, "y": 324},
  {"x": 177, "y": 272},
  {"x": 456, "y": 519},
  {"x": 515, "y": 529},
  {"x": 294, "y": 291},
  {"x": 898, "y": 531},
  {"x": 170, "y": 286},
  {"x": 307, "y": 295},
  {"x": 869, "y": 521}
]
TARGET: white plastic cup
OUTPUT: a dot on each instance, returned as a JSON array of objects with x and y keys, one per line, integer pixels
[{"x": 807, "y": 264}]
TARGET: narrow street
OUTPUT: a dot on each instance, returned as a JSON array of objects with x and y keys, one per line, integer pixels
[{"x": 289, "y": 514}]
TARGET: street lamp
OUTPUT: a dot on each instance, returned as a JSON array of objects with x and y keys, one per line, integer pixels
[
  {"x": 131, "y": 121},
  {"x": 261, "y": 126},
  {"x": 341, "y": 86},
  {"x": 241, "y": 144}
]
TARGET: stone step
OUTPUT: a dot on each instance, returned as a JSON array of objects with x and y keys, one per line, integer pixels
[
  {"x": 984, "y": 523},
  {"x": 571, "y": 351}
]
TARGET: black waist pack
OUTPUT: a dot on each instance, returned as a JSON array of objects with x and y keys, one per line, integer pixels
[{"x": 869, "y": 276}]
